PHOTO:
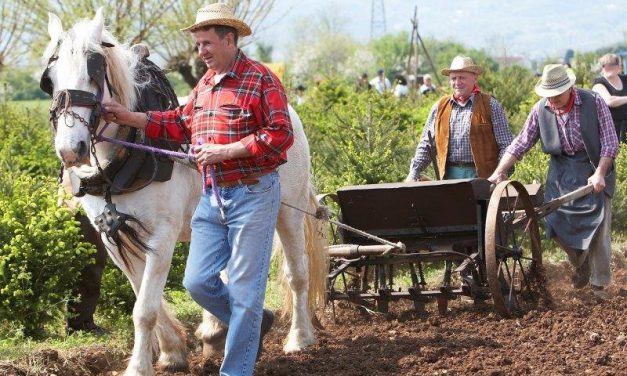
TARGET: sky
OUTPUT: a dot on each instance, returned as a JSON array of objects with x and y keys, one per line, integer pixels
[{"x": 535, "y": 29}]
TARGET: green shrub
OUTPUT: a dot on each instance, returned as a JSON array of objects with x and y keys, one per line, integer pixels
[
  {"x": 41, "y": 253},
  {"x": 117, "y": 296},
  {"x": 360, "y": 138},
  {"x": 26, "y": 142}
]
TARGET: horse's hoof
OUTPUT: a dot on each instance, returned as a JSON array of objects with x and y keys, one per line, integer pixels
[
  {"x": 213, "y": 350},
  {"x": 296, "y": 344},
  {"x": 174, "y": 367}
]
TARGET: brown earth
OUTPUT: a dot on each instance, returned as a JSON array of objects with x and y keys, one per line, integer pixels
[{"x": 578, "y": 335}]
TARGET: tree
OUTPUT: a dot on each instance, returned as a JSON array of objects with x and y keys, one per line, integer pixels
[
  {"x": 178, "y": 49},
  {"x": 154, "y": 22},
  {"x": 391, "y": 51},
  {"x": 264, "y": 52},
  {"x": 14, "y": 24}
]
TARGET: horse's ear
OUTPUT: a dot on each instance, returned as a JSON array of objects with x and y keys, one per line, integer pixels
[
  {"x": 55, "y": 29},
  {"x": 98, "y": 23}
]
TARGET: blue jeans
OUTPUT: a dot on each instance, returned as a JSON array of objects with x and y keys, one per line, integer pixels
[
  {"x": 244, "y": 245},
  {"x": 455, "y": 172}
]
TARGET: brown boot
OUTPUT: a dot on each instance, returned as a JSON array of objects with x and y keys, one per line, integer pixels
[{"x": 266, "y": 323}]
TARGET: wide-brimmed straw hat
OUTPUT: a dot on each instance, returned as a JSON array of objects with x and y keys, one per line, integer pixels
[
  {"x": 462, "y": 64},
  {"x": 219, "y": 14},
  {"x": 555, "y": 80}
]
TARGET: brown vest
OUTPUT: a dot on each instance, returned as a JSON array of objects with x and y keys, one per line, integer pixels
[{"x": 485, "y": 150}]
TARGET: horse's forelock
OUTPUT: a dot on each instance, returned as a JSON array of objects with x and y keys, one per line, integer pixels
[{"x": 121, "y": 61}]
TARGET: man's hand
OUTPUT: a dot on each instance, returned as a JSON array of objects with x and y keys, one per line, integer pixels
[
  {"x": 116, "y": 113},
  {"x": 208, "y": 154},
  {"x": 497, "y": 177},
  {"x": 598, "y": 182}
]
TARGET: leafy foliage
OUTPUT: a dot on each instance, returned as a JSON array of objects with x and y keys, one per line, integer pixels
[
  {"x": 26, "y": 142},
  {"x": 360, "y": 138},
  {"x": 42, "y": 252}
]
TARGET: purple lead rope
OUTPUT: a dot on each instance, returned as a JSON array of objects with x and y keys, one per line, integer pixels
[{"x": 214, "y": 185}]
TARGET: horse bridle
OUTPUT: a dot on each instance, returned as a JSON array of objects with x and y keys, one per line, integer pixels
[{"x": 63, "y": 100}]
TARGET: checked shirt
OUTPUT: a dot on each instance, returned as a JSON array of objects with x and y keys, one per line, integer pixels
[
  {"x": 459, "y": 150},
  {"x": 569, "y": 130},
  {"x": 248, "y": 104}
]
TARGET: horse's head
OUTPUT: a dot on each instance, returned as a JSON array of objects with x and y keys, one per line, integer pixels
[{"x": 79, "y": 76}]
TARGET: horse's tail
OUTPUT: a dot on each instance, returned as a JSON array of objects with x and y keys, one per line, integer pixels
[{"x": 316, "y": 248}]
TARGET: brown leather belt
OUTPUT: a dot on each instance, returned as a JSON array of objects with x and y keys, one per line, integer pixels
[
  {"x": 251, "y": 179},
  {"x": 460, "y": 164}
]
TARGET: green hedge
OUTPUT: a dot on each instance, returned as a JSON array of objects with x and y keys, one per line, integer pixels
[{"x": 41, "y": 253}]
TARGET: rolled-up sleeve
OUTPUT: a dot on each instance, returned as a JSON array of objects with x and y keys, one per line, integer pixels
[
  {"x": 172, "y": 125},
  {"x": 275, "y": 134},
  {"x": 527, "y": 137},
  {"x": 607, "y": 133}
]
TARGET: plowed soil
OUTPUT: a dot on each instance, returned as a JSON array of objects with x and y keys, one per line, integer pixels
[{"x": 576, "y": 335}]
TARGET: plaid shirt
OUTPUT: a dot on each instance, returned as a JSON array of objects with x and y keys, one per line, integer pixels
[
  {"x": 248, "y": 104},
  {"x": 569, "y": 130},
  {"x": 459, "y": 141}
]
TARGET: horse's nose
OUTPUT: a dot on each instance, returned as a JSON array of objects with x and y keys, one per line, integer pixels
[
  {"x": 81, "y": 150},
  {"x": 73, "y": 156}
]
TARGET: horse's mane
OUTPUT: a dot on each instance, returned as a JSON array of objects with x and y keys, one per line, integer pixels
[{"x": 122, "y": 63}]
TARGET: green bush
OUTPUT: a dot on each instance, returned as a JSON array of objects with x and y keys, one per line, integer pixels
[
  {"x": 26, "y": 142},
  {"x": 41, "y": 253},
  {"x": 360, "y": 138},
  {"x": 117, "y": 296}
]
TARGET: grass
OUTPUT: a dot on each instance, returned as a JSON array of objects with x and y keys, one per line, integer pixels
[{"x": 38, "y": 105}]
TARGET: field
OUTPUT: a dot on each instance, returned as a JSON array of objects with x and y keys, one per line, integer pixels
[{"x": 570, "y": 333}]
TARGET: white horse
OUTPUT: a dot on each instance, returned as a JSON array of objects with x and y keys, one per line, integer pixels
[{"x": 165, "y": 208}]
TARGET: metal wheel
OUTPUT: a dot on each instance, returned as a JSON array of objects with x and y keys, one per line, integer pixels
[{"x": 512, "y": 249}]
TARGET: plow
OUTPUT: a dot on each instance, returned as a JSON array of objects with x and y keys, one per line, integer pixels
[{"x": 482, "y": 241}]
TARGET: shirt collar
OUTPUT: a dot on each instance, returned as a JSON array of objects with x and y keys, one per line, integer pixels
[
  {"x": 577, "y": 99},
  {"x": 470, "y": 100},
  {"x": 235, "y": 71}
]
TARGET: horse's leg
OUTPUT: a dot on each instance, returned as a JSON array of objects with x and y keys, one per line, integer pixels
[
  {"x": 296, "y": 267},
  {"x": 148, "y": 310},
  {"x": 172, "y": 341}
]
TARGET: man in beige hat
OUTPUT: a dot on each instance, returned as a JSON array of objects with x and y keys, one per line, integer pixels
[
  {"x": 469, "y": 129},
  {"x": 576, "y": 130},
  {"x": 237, "y": 119}
]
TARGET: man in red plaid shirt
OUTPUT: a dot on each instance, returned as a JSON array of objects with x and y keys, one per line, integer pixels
[{"x": 237, "y": 119}]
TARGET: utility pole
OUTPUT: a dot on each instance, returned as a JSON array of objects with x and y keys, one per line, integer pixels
[
  {"x": 413, "y": 48},
  {"x": 377, "y": 19}
]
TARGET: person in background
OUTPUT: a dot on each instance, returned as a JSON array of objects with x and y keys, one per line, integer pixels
[
  {"x": 427, "y": 87},
  {"x": 400, "y": 87},
  {"x": 381, "y": 83},
  {"x": 362, "y": 83},
  {"x": 300, "y": 94},
  {"x": 612, "y": 87},
  {"x": 469, "y": 129},
  {"x": 576, "y": 130}
]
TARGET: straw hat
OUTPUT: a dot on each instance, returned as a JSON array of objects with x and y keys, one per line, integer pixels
[
  {"x": 555, "y": 80},
  {"x": 219, "y": 14},
  {"x": 462, "y": 64}
]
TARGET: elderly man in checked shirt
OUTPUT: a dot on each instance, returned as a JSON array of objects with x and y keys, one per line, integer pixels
[
  {"x": 237, "y": 119},
  {"x": 469, "y": 129},
  {"x": 576, "y": 130}
]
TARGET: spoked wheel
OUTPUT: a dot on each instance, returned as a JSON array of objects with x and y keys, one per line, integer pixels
[{"x": 512, "y": 250}]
